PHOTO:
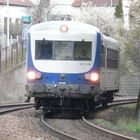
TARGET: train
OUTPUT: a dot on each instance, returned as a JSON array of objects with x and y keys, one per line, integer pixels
[{"x": 71, "y": 66}]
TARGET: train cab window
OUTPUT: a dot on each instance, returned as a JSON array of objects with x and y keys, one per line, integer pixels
[
  {"x": 69, "y": 50},
  {"x": 112, "y": 59},
  {"x": 63, "y": 50},
  {"x": 82, "y": 50},
  {"x": 43, "y": 49}
]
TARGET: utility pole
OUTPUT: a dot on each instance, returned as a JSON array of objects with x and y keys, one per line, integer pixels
[
  {"x": 138, "y": 108},
  {"x": 81, "y": 1},
  {"x": 137, "y": 47},
  {"x": 111, "y": 3},
  {"x": 7, "y": 23}
]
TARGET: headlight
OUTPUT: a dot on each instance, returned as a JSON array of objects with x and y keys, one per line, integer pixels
[
  {"x": 33, "y": 75},
  {"x": 93, "y": 76}
]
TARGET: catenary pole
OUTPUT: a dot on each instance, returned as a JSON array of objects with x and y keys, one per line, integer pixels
[{"x": 7, "y": 23}]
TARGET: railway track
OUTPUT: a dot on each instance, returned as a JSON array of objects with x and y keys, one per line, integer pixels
[
  {"x": 58, "y": 133},
  {"x": 124, "y": 101},
  {"x": 110, "y": 135},
  {"x": 14, "y": 107},
  {"x": 64, "y": 135},
  {"x": 104, "y": 133},
  {"x": 116, "y": 103}
]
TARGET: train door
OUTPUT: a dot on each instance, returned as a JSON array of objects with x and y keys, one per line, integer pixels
[{"x": 102, "y": 65}]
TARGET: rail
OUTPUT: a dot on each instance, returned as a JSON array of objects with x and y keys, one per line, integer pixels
[
  {"x": 107, "y": 133},
  {"x": 6, "y": 108},
  {"x": 60, "y": 134}
]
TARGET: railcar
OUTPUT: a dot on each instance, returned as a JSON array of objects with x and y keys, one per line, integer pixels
[{"x": 71, "y": 65}]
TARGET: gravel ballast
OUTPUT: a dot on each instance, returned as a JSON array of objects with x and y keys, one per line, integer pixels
[
  {"x": 23, "y": 125},
  {"x": 26, "y": 125}
]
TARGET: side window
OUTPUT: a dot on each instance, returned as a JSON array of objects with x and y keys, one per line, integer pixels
[
  {"x": 43, "y": 49},
  {"x": 102, "y": 54},
  {"x": 112, "y": 58}
]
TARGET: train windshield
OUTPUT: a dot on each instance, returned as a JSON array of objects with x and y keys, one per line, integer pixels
[{"x": 63, "y": 50}]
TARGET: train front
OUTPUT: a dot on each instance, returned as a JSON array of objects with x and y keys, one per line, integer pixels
[{"x": 63, "y": 65}]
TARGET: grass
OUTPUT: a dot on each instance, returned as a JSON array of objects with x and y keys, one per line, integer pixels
[
  {"x": 103, "y": 122},
  {"x": 131, "y": 106},
  {"x": 126, "y": 121},
  {"x": 132, "y": 125}
]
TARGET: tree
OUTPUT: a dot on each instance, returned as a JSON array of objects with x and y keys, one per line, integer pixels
[
  {"x": 135, "y": 20},
  {"x": 101, "y": 18},
  {"x": 39, "y": 14},
  {"x": 133, "y": 37},
  {"x": 42, "y": 11},
  {"x": 119, "y": 10},
  {"x": 130, "y": 42}
]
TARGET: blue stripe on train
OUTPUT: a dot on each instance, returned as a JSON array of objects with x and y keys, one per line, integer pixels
[{"x": 54, "y": 78}]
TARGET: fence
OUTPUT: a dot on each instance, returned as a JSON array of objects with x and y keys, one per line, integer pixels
[{"x": 13, "y": 55}]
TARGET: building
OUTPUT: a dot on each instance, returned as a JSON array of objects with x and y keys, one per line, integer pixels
[
  {"x": 77, "y": 8},
  {"x": 15, "y": 11},
  {"x": 17, "y": 8},
  {"x": 127, "y": 14}
]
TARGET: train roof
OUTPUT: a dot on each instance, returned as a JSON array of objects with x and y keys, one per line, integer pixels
[
  {"x": 109, "y": 40},
  {"x": 55, "y": 26}
]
